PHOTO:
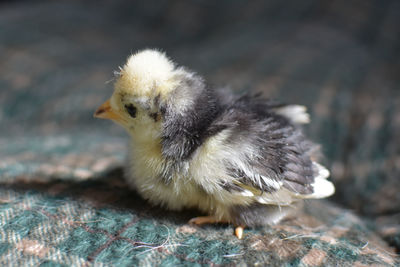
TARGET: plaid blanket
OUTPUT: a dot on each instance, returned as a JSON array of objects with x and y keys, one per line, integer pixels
[{"x": 63, "y": 199}]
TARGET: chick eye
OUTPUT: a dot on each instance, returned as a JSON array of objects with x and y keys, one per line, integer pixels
[{"x": 131, "y": 109}]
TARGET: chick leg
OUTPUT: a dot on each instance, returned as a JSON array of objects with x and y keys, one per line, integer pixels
[{"x": 206, "y": 219}]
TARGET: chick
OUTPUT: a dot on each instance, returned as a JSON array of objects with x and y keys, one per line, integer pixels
[{"x": 241, "y": 160}]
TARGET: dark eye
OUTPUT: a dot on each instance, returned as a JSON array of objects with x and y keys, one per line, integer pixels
[{"x": 131, "y": 109}]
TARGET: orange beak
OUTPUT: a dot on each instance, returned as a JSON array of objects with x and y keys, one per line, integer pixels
[{"x": 105, "y": 111}]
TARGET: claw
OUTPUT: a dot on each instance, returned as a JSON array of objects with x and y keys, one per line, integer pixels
[{"x": 239, "y": 232}]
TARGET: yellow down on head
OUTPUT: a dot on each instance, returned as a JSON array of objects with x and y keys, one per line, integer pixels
[{"x": 147, "y": 74}]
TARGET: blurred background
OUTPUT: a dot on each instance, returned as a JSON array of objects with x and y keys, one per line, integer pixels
[{"x": 339, "y": 58}]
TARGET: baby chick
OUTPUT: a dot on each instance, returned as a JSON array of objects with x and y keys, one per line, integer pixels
[{"x": 241, "y": 160}]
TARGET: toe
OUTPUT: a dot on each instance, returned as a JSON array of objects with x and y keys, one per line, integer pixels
[
  {"x": 239, "y": 232},
  {"x": 194, "y": 221}
]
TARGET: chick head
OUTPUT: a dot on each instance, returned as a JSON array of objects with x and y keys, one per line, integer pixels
[{"x": 146, "y": 86}]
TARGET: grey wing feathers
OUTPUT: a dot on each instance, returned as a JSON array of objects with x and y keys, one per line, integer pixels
[
  {"x": 296, "y": 114},
  {"x": 281, "y": 155}
]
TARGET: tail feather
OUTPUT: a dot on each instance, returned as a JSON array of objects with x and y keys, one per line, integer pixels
[
  {"x": 322, "y": 187},
  {"x": 295, "y": 113}
]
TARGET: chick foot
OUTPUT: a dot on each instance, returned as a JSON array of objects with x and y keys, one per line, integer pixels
[
  {"x": 205, "y": 219},
  {"x": 211, "y": 219}
]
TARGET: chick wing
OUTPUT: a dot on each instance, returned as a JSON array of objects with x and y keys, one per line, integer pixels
[{"x": 274, "y": 163}]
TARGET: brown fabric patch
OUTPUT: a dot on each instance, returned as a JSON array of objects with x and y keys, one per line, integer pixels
[
  {"x": 384, "y": 198},
  {"x": 284, "y": 248},
  {"x": 329, "y": 239},
  {"x": 308, "y": 221},
  {"x": 390, "y": 230},
  {"x": 186, "y": 229},
  {"x": 32, "y": 247},
  {"x": 4, "y": 200},
  {"x": 359, "y": 264},
  {"x": 337, "y": 231},
  {"x": 99, "y": 198},
  {"x": 384, "y": 255},
  {"x": 291, "y": 229},
  {"x": 301, "y": 224},
  {"x": 314, "y": 257}
]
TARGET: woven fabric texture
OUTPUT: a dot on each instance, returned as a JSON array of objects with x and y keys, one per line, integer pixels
[{"x": 63, "y": 199}]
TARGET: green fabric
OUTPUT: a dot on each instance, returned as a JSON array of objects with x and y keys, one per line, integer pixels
[
  {"x": 63, "y": 199},
  {"x": 101, "y": 222}
]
